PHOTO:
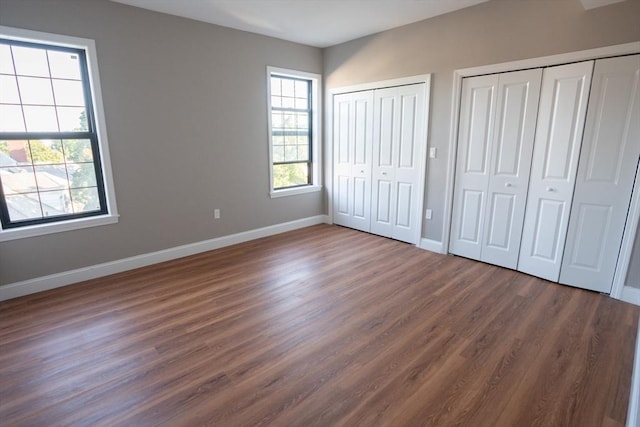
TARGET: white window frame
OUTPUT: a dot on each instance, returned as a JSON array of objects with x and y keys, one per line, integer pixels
[
  {"x": 111, "y": 216},
  {"x": 316, "y": 137}
]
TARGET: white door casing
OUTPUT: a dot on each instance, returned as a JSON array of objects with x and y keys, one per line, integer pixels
[
  {"x": 399, "y": 142},
  {"x": 561, "y": 117},
  {"x": 352, "y": 139},
  {"x": 608, "y": 162}
]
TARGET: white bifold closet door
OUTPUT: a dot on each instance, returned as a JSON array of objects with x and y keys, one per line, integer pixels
[
  {"x": 496, "y": 135},
  {"x": 561, "y": 118},
  {"x": 399, "y": 141},
  {"x": 608, "y": 162},
  {"x": 353, "y": 147}
]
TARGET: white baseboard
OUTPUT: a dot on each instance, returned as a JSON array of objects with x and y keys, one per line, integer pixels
[
  {"x": 431, "y": 245},
  {"x": 26, "y": 287},
  {"x": 630, "y": 295}
]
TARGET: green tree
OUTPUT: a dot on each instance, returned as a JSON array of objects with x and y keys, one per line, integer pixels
[
  {"x": 39, "y": 152},
  {"x": 289, "y": 175},
  {"x": 83, "y": 178}
]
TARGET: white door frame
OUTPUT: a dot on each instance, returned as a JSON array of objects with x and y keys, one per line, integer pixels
[
  {"x": 628, "y": 238},
  {"x": 403, "y": 81},
  {"x": 545, "y": 61}
]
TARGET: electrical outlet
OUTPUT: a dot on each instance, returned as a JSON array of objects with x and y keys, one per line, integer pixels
[
  {"x": 433, "y": 152},
  {"x": 216, "y": 214},
  {"x": 428, "y": 214}
]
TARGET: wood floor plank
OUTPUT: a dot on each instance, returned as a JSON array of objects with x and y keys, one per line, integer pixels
[{"x": 322, "y": 326}]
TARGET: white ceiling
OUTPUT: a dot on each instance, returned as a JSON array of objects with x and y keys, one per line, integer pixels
[{"x": 318, "y": 23}]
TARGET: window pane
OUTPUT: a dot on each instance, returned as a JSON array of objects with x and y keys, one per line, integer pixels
[
  {"x": 290, "y": 175},
  {"x": 277, "y": 120},
  {"x": 30, "y": 61},
  {"x": 40, "y": 119},
  {"x": 278, "y": 153},
  {"x": 288, "y": 102},
  {"x": 289, "y": 120},
  {"x": 77, "y": 150},
  {"x": 302, "y": 103},
  {"x": 290, "y": 153},
  {"x": 35, "y": 90},
  {"x": 290, "y": 132},
  {"x": 303, "y": 152},
  {"x": 24, "y": 206},
  {"x": 6, "y": 61},
  {"x": 303, "y": 120},
  {"x": 18, "y": 180},
  {"x": 68, "y": 93},
  {"x": 11, "y": 119},
  {"x": 288, "y": 87},
  {"x": 64, "y": 65},
  {"x": 51, "y": 177},
  {"x": 301, "y": 89},
  {"x": 45, "y": 152},
  {"x": 13, "y": 152},
  {"x": 72, "y": 119},
  {"x": 81, "y": 175},
  {"x": 56, "y": 202},
  {"x": 44, "y": 91},
  {"x": 9, "y": 90},
  {"x": 276, "y": 86},
  {"x": 85, "y": 200}
]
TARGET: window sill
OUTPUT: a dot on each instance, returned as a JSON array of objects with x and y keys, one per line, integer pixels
[
  {"x": 294, "y": 191},
  {"x": 58, "y": 227}
]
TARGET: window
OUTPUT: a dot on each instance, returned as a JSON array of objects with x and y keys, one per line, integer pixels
[
  {"x": 53, "y": 157},
  {"x": 294, "y": 131}
]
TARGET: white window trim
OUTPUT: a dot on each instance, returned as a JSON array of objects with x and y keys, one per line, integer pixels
[
  {"x": 316, "y": 126},
  {"x": 111, "y": 217}
]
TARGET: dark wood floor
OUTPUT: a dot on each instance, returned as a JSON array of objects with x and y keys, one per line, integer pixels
[{"x": 323, "y": 326}]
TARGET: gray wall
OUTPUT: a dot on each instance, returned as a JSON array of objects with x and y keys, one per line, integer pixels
[
  {"x": 186, "y": 111},
  {"x": 633, "y": 274},
  {"x": 489, "y": 33}
]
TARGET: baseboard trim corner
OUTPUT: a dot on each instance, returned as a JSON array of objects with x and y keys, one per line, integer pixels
[
  {"x": 431, "y": 245},
  {"x": 630, "y": 295},
  {"x": 45, "y": 283},
  {"x": 633, "y": 412}
]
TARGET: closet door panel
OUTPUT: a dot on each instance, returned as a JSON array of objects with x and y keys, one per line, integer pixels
[
  {"x": 561, "y": 117},
  {"x": 385, "y": 153},
  {"x": 610, "y": 152},
  {"x": 500, "y": 223},
  {"x": 342, "y": 122},
  {"x": 409, "y": 167},
  {"x": 353, "y": 122},
  {"x": 361, "y": 198},
  {"x": 405, "y": 191},
  {"x": 471, "y": 215},
  {"x": 475, "y": 133},
  {"x": 398, "y": 143},
  {"x": 512, "y": 148},
  {"x": 382, "y": 220}
]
